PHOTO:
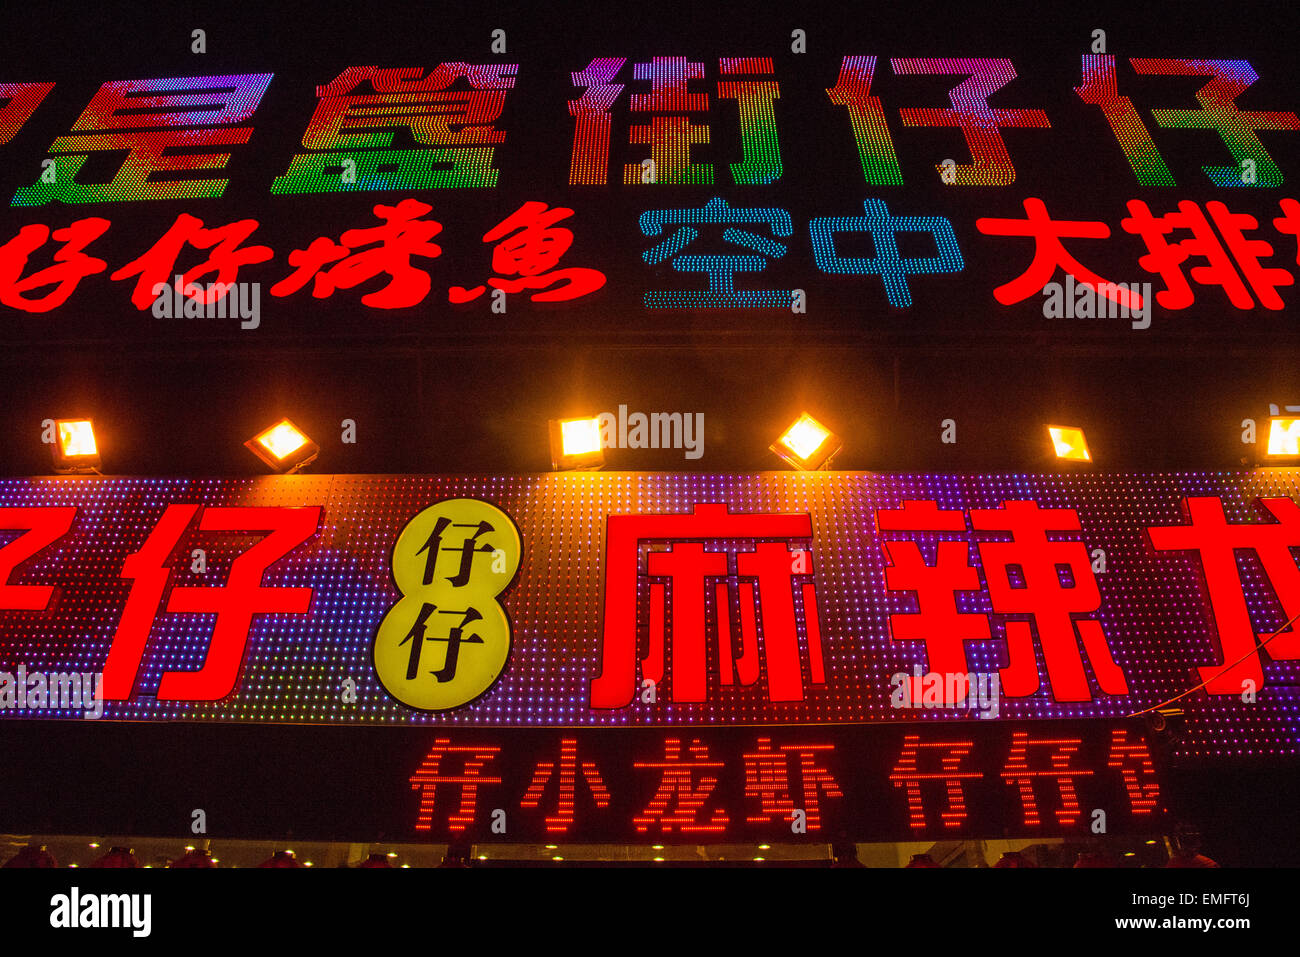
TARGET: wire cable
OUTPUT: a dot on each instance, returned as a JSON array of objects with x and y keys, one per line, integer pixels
[{"x": 1254, "y": 651}]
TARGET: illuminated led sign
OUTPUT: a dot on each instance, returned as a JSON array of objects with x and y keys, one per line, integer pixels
[
  {"x": 666, "y": 157},
  {"x": 826, "y": 783},
  {"x": 643, "y": 600}
]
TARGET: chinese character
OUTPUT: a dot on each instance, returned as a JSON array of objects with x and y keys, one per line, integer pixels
[
  {"x": 454, "y": 130},
  {"x": 531, "y": 254},
  {"x": 720, "y": 268},
  {"x": 1050, "y": 254},
  {"x": 72, "y": 264},
  {"x": 566, "y": 780},
  {"x": 157, "y": 266},
  {"x": 404, "y": 235},
  {"x": 908, "y": 774},
  {"x": 768, "y": 779},
  {"x": 1018, "y": 772},
  {"x": 234, "y": 604},
  {"x": 696, "y": 576},
  {"x": 671, "y": 130},
  {"x": 888, "y": 262},
  {"x": 1216, "y": 541},
  {"x": 679, "y": 800},
  {"x": 431, "y": 774}
]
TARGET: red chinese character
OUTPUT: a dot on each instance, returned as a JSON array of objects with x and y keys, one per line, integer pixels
[
  {"x": 686, "y": 565},
  {"x": 1289, "y": 222},
  {"x": 1019, "y": 773},
  {"x": 1051, "y": 605},
  {"x": 402, "y": 236},
  {"x": 569, "y": 769},
  {"x": 156, "y": 268},
  {"x": 1133, "y": 761},
  {"x": 679, "y": 801},
  {"x": 73, "y": 264},
  {"x": 1248, "y": 252},
  {"x": 907, "y": 774},
  {"x": 1166, "y": 259},
  {"x": 43, "y": 525},
  {"x": 1050, "y": 254},
  {"x": 689, "y": 567},
  {"x": 431, "y": 774},
  {"x": 1209, "y": 533},
  {"x": 535, "y": 247},
  {"x": 234, "y": 604},
  {"x": 767, "y": 778},
  {"x": 937, "y": 622}
]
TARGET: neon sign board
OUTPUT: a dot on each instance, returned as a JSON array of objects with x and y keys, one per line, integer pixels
[
  {"x": 663, "y": 153},
  {"x": 703, "y": 786},
  {"x": 638, "y": 600}
]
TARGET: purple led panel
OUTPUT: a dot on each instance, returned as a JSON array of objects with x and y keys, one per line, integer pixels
[{"x": 317, "y": 666}]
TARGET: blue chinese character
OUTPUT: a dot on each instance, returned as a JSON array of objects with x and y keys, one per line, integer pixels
[
  {"x": 722, "y": 269},
  {"x": 888, "y": 263}
]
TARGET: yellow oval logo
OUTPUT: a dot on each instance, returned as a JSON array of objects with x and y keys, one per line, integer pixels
[{"x": 447, "y": 641}]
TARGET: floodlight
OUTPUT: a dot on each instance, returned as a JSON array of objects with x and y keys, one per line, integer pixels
[
  {"x": 1069, "y": 443},
  {"x": 575, "y": 444},
  {"x": 1283, "y": 437},
  {"x": 284, "y": 447},
  {"x": 807, "y": 445},
  {"x": 75, "y": 449}
]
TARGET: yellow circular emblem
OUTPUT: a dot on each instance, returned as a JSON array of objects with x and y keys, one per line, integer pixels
[{"x": 447, "y": 640}]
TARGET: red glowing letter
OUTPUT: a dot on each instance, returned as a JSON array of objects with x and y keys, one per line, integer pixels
[
  {"x": 1209, "y": 533},
  {"x": 157, "y": 267},
  {"x": 44, "y": 524},
  {"x": 234, "y": 603},
  {"x": 937, "y": 622},
  {"x": 1050, "y": 254},
  {"x": 558, "y": 823},
  {"x": 773, "y": 564},
  {"x": 679, "y": 800},
  {"x": 403, "y": 236},
  {"x": 71, "y": 264},
  {"x": 907, "y": 773},
  {"x": 1133, "y": 760},
  {"x": 430, "y": 775},
  {"x": 767, "y": 778},
  {"x": 1018, "y": 772},
  {"x": 1051, "y": 605}
]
